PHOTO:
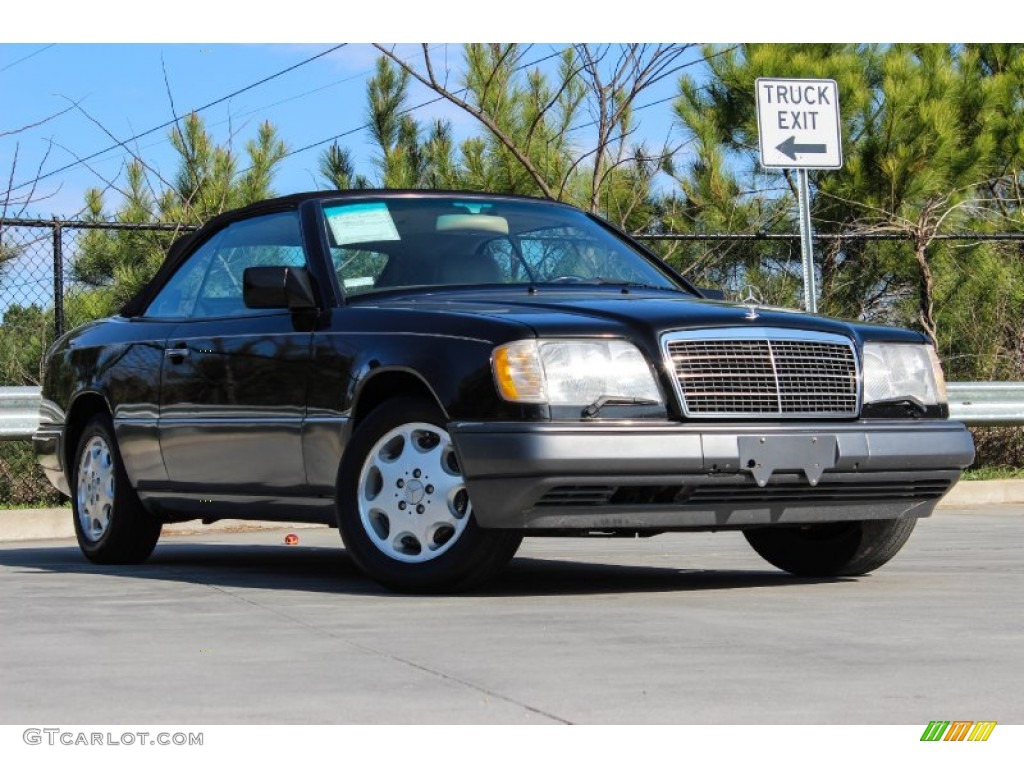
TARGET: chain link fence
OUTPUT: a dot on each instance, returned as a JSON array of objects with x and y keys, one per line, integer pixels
[{"x": 55, "y": 275}]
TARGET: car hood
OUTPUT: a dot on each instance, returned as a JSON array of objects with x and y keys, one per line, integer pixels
[{"x": 634, "y": 313}]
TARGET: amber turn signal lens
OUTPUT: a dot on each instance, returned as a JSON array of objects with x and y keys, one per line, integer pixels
[{"x": 518, "y": 372}]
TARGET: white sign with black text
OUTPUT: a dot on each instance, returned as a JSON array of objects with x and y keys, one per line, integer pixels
[{"x": 798, "y": 123}]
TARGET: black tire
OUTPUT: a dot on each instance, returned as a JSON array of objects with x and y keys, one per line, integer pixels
[
  {"x": 111, "y": 524},
  {"x": 399, "y": 456},
  {"x": 832, "y": 549}
]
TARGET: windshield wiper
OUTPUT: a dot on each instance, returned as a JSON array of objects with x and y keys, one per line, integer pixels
[
  {"x": 648, "y": 286},
  {"x": 595, "y": 407},
  {"x": 574, "y": 280}
]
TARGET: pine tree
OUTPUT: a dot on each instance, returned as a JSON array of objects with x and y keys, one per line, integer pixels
[
  {"x": 208, "y": 180},
  {"x": 337, "y": 168},
  {"x": 922, "y": 157}
]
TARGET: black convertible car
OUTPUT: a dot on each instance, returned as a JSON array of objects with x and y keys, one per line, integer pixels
[{"x": 440, "y": 374}]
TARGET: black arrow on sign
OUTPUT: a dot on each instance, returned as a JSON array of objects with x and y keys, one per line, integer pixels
[{"x": 789, "y": 148}]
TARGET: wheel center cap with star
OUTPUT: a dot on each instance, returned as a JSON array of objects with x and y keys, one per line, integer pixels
[{"x": 414, "y": 492}]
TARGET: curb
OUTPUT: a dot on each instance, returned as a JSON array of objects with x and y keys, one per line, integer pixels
[
  {"x": 32, "y": 524},
  {"x": 974, "y": 492},
  {"x": 56, "y": 523}
]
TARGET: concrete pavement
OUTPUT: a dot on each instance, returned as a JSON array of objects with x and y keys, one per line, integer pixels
[{"x": 681, "y": 628}]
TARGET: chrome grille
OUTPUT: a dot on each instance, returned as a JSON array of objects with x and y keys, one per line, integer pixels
[{"x": 761, "y": 374}]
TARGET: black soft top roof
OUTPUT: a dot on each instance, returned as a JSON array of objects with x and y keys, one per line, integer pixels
[{"x": 182, "y": 245}]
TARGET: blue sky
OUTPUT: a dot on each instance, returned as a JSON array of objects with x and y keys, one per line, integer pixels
[
  {"x": 110, "y": 59},
  {"x": 121, "y": 87}
]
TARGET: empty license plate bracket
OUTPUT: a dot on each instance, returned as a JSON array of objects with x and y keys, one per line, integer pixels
[{"x": 764, "y": 455}]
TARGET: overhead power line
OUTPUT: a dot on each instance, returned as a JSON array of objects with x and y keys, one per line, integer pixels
[
  {"x": 29, "y": 56},
  {"x": 405, "y": 111},
  {"x": 436, "y": 99},
  {"x": 169, "y": 123},
  {"x": 262, "y": 108}
]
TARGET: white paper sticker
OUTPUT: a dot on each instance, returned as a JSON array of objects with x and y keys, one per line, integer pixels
[
  {"x": 358, "y": 282},
  {"x": 361, "y": 223}
]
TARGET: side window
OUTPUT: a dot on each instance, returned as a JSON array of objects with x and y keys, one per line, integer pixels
[
  {"x": 358, "y": 269},
  {"x": 209, "y": 284},
  {"x": 267, "y": 241},
  {"x": 178, "y": 296}
]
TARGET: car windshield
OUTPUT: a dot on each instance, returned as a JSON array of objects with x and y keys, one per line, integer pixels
[{"x": 404, "y": 242}]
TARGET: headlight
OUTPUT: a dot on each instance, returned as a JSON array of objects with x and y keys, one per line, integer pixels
[
  {"x": 572, "y": 372},
  {"x": 903, "y": 372}
]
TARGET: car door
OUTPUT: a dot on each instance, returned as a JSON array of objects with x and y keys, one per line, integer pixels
[{"x": 234, "y": 379}]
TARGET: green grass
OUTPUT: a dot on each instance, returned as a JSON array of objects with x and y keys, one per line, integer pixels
[
  {"x": 42, "y": 505},
  {"x": 995, "y": 473}
]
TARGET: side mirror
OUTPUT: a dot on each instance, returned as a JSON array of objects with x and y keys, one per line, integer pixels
[{"x": 278, "y": 288}]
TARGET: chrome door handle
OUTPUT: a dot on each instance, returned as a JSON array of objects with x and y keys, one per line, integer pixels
[{"x": 177, "y": 354}]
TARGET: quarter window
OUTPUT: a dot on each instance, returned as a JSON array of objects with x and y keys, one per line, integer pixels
[{"x": 178, "y": 296}]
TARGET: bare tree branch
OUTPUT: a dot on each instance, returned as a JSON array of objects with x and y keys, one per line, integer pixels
[
  {"x": 430, "y": 81},
  {"x": 539, "y": 117},
  {"x": 10, "y": 182},
  {"x": 36, "y": 124},
  {"x": 109, "y": 183},
  {"x": 120, "y": 143},
  {"x": 30, "y": 197},
  {"x": 170, "y": 96},
  {"x": 637, "y": 67}
]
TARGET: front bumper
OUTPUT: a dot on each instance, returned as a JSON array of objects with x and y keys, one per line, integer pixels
[
  {"x": 47, "y": 443},
  {"x": 669, "y": 476}
]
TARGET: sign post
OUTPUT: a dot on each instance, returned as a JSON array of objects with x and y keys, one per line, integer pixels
[{"x": 798, "y": 127}]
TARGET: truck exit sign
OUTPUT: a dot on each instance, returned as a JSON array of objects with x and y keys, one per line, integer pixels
[{"x": 798, "y": 123}]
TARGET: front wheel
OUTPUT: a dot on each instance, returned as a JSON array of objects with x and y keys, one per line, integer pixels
[
  {"x": 111, "y": 524},
  {"x": 832, "y": 549},
  {"x": 403, "y": 508}
]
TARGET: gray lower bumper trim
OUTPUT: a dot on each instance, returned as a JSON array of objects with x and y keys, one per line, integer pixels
[
  {"x": 715, "y": 519},
  {"x": 782, "y": 473}
]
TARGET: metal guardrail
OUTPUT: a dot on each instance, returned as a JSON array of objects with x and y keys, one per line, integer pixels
[
  {"x": 976, "y": 403},
  {"x": 19, "y": 412},
  {"x": 986, "y": 403}
]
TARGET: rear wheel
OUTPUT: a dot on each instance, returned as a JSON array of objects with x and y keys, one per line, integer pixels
[
  {"x": 832, "y": 549},
  {"x": 110, "y": 522},
  {"x": 403, "y": 508}
]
